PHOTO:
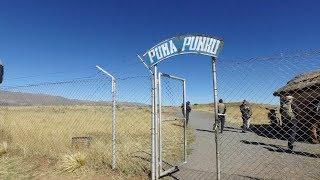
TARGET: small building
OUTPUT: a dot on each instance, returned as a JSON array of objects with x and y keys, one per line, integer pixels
[{"x": 305, "y": 88}]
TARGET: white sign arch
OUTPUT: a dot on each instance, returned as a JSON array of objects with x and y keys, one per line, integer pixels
[{"x": 186, "y": 44}]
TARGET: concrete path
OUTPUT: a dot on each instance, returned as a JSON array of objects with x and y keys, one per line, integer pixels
[{"x": 245, "y": 155}]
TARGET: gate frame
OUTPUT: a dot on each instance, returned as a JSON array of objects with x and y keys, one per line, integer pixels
[
  {"x": 154, "y": 119},
  {"x": 184, "y": 97},
  {"x": 151, "y": 65}
]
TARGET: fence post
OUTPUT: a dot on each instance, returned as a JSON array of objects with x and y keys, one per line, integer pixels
[
  {"x": 113, "y": 91},
  {"x": 160, "y": 122},
  {"x": 185, "y": 123},
  {"x": 154, "y": 138},
  {"x": 216, "y": 131},
  {"x": 156, "y": 118}
]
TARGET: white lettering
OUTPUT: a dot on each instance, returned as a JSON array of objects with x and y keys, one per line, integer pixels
[
  {"x": 216, "y": 47},
  {"x": 208, "y": 45},
  {"x": 173, "y": 48},
  {"x": 212, "y": 46},
  {"x": 201, "y": 43},
  {"x": 193, "y": 46},
  {"x": 151, "y": 55},
  {"x": 165, "y": 49},
  {"x": 187, "y": 42},
  {"x": 158, "y": 53}
]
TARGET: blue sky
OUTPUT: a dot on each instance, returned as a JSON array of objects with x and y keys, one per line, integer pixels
[{"x": 49, "y": 40}]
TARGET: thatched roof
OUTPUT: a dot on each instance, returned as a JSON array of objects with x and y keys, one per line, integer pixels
[{"x": 300, "y": 82}]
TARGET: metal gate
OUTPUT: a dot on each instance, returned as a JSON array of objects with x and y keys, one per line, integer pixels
[{"x": 172, "y": 123}]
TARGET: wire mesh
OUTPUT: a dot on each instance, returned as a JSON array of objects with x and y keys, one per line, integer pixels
[
  {"x": 57, "y": 126},
  {"x": 134, "y": 125},
  {"x": 274, "y": 132},
  {"x": 64, "y": 128},
  {"x": 172, "y": 122}
]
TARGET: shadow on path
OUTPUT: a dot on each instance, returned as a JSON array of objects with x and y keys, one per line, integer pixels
[
  {"x": 205, "y": 130},
  {"x": 275, "y": 131},
  {"x": 280, "y": 149},
  {"x": 236, "y": 176},
  {"x": 229, "y": 127},
  {"x": 231, "y": 131}
]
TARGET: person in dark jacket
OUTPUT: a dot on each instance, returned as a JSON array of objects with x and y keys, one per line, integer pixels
[
  {"x": 272, "y": 115},
  {"x": 188, "y": 110},
  {"x": 246, "y": 113},
  {"x": 222, "y": 114},
  {"x": 1, "y": 71}
]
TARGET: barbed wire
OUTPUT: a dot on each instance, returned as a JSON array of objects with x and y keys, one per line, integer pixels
[{"x": 74, "y": 80}]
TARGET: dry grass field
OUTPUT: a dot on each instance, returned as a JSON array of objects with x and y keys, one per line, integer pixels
[{"x": 36, "y": 142}]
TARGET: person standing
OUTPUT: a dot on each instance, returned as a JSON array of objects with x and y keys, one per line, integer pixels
[
  {"x": 289, "y": 110},
  {"x": 315, "y": 120},
  {"x": 188, "y": 110},
  {"x": 246, "y": 113},
  {"x": 272, "y": 115},
  {"x": 1, "y": 71},
  {"x": 222, "y": 114}
]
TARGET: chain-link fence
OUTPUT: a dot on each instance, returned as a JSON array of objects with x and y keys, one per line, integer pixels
[
  {"x": 173, "y": 132},
  {"x": 272, "y": 117},
  {"x": 134, "y": 126},
  {"x": 56, "y": 126},
  {"x": 64, "y": 129}
]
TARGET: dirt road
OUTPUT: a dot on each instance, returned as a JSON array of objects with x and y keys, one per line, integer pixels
[{"x": 246, "y": 155}]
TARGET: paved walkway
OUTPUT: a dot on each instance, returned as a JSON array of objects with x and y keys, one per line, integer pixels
[{"x": 245, "y": 155}]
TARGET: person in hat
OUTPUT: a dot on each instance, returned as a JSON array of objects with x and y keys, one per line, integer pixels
[
  {"x": 246, "y": 114},
  {"x": 289, "y": 112}
]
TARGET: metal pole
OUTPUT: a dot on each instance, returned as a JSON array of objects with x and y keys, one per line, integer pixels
[
  {"x": 152, "y": 128},
  {"x": 215, "y": 92},
  {"x": 160, "y": 122},
  {"x": 154, "y": 173},
  {"x": 157, "y": 125},
  {"x": 173, "y": 77},
  {"x": 185, "y": 123},
  {"x": 113, "y": 91}
]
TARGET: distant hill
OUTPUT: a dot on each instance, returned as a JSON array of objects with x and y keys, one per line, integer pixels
[{"x": 8, "y": 98}]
